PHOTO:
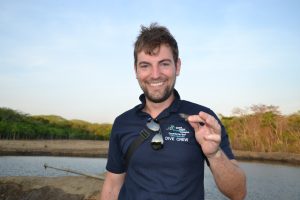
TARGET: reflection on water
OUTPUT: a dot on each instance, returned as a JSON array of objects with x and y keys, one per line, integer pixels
[
  {"x": 264, "y": 180},
  {"x": 273, "y": 181},
  {"x": 34, "y": 165}
]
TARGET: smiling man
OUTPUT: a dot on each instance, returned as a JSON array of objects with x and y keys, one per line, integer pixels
[{"x": 158, "y": 148}]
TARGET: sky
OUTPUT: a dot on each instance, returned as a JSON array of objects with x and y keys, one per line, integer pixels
[{"x": 75, "y": 58}]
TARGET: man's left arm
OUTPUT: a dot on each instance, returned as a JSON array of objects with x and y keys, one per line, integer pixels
[{"x": 229, "y": 177}]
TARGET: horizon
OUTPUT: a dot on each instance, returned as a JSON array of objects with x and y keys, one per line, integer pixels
[
  {"x": 220, "y": 115},
  {"x": 75, "y": 59}
]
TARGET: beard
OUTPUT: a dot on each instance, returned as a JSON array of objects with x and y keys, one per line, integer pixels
[{"x": 158, "y": 96}]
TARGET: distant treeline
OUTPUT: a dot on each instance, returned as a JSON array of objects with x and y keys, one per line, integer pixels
[
  {"x": 16, "y": 125},
  {"x": 262, "y": 128},
  {"x": 259, "y": 128}
]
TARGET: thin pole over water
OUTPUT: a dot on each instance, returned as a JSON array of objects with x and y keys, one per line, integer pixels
[{"x": 74, "y": 172}]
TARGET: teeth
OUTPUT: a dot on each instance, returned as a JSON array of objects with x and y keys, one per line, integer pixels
[{"x": 156, "y": 84}]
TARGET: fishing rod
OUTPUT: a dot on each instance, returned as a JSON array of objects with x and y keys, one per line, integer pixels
[{"x": 74, "y": 172}]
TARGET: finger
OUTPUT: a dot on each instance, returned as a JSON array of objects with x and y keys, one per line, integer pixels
[
  {"x": 213, "y": 137},
  {"x": 210, "y": 120},
  {"x": 207, "y": 117},
  {"x": 195, "y": 118}
]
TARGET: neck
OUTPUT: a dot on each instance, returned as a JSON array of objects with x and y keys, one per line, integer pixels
[{"x": 154, "y": 109}]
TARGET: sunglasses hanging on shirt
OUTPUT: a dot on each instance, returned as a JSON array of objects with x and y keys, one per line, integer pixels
[{"x": 157, "y": 141}]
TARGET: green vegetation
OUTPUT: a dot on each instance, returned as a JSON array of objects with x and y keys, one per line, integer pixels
[
  {"x": 263, "y": 129},
  {"x": 16, "y": 125},
  {"x": 260, "y": 128}
]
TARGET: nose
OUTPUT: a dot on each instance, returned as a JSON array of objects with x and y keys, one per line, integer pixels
[{"x": 155, "y": 72}]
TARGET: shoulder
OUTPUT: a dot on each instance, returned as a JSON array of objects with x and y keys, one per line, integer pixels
[{"x": 126, "y": 116}]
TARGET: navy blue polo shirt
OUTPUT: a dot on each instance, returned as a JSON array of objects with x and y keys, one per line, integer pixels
[{"x": 174, "y": 172}]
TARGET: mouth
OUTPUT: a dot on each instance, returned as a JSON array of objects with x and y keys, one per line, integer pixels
[{"x": 156, "y": 84}]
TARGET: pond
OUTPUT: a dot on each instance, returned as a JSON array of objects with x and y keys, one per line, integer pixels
[{"x": 264, "y": 180}]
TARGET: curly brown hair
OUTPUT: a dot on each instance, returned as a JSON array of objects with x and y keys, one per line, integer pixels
[{"x": 151, "y": 38}]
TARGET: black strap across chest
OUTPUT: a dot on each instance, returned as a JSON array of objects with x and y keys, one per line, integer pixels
[{"x": 144, "y": 134}]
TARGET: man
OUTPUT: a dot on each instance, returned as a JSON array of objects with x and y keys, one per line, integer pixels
[{"x": 175, "y": 168}]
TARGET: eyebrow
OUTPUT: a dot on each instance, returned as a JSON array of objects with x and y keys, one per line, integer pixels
[
  {"x": 143, "y": 63},
  {"x": 161, "y": 61},
  {"x": 165, "y": 60}
]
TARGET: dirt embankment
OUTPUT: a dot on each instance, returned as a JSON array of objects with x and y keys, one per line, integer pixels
[
  {"x": 90, "y": 148},
  {"x": 50, "y": 188},
  {"x": 80, "y": 148},
  {"x": 285, "y": 158}
]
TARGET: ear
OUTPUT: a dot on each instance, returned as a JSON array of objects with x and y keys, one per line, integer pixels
[{"x": 178, "y": 67}]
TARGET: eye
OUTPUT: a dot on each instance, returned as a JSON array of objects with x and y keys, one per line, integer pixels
[
  {"x": 165, "y": 64},
  {"x": 144, "y": 66}
]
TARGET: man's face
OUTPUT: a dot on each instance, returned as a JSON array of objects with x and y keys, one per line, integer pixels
[{"x": 157, "y": 73}]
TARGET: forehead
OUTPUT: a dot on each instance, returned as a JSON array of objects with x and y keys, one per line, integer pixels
[{"x": 161, "y": 52}]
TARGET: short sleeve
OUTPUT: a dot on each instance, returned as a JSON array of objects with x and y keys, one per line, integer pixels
[
  {"x": 225, "y": 144},
  {"x": 115, "y": 161}
]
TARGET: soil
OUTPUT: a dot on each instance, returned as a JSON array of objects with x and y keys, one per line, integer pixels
[
  {"x": 49, "y": 188},
  {"x": 279, "y": 157},
  {"x": 82, "y": 148}
]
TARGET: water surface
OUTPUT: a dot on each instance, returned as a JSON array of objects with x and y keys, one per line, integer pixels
[
  {"x": 265, "y": 181},
  {"x": 34, "y": 165}
]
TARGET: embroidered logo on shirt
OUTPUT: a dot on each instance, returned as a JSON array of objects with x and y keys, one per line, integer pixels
[{"x": 177, "y": 133}]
